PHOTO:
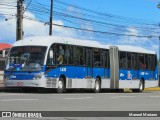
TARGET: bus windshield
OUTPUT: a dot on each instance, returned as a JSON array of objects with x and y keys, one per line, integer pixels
[{"x": 26, "y": 58}]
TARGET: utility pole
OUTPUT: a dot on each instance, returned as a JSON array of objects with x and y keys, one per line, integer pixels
[
  {"x": 159, "y": 63},
  {"x": 158, "y": 6},
  {"x": 19, "y": 28},
  {"x": 51, "y": 13}
]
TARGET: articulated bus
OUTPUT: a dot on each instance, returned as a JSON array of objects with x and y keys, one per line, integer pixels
[{"x": 67, "y": 63}]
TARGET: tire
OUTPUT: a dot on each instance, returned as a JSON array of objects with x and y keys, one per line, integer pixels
[
  {"x": 141, "y": 87},
  {"x": 97, "y": 87},
  {"x": 61, "y": 86}
]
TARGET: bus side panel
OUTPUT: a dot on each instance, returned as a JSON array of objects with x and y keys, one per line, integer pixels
[
  {"x": 68, "y": 71},
  {"x": 126, "y": 74},
  {"x": 76, "y": 77},
  {"x": 153, "y": 82},
  {"x": 144, "y": 74},
  {"x": 98, "y": 72},
  {"x": 128, "y": 79}
]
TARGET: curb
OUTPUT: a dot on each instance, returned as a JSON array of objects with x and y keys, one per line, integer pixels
[
  {"x": 146, "y": 89},
  {"x": 152, "y": 89}
]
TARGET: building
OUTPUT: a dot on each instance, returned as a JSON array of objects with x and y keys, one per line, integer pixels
[{"x": 4, "y": 48}]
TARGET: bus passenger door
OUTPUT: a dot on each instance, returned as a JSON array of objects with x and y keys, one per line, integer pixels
[{"x": 88, "y": 61}]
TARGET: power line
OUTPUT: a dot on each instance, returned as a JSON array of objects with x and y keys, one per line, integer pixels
[
  {"x": 104, "y": 14},
  {"x": 88, "y": 30},
  {"x": 99, "y": 22},
  {"x": 120, "y": 27},
  {"x": 27, "y": 6}
]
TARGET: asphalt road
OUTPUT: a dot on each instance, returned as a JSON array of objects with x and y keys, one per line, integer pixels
[{"x": 146, "y": 101}]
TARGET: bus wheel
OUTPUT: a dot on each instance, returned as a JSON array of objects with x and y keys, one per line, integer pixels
[
  {"x": 61, "y": 86},
  {"x": 97, "y": 87},
  {"x": 141, "y": 87}
]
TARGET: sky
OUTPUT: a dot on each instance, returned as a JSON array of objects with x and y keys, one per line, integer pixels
[{"x": 137, "y": 14}]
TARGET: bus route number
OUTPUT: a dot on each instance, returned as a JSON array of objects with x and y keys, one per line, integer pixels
[{"x": 63, "y": 69}]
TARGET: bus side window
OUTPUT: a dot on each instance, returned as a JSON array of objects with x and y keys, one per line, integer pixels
[
  {"x": 149, "y": 62},
  {"x": 142, "y": 64},
  {"x": 129, "y": 60},
  {"x": 60, "y": 57},
  {"x": 123, "y": 60},
  {"x": 133, "y": 61},
  {"x": 80, "y": 56},
  {"x": 154, "y": 62},
  {"x": 105, "y": 58},
  {"x": 97, "y": 61},
  {"x": 146, "y": 61},
  {"x": 70, "y": 54},
  {"x": 51, "y": 56}
]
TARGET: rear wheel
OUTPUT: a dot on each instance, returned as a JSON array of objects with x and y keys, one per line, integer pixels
[
  {"x": 61, "y": 86},
  {"x": 141, "y": 87},
  {"x": 97, "y": 87}
]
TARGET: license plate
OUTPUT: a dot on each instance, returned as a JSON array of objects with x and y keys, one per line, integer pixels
[{"x": 20, "y": 83}]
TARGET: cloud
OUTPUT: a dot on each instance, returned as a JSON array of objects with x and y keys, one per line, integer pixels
[
  {"x": 144, "y": 42},
  {"x": 30, "y": 28},
  {"x": 131, "y": 39}
]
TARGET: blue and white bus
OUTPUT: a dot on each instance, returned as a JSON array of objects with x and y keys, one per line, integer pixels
[{"x": 67, "y": 63}]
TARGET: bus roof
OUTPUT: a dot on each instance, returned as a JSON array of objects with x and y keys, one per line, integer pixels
[{"x": 49, "y": 40}]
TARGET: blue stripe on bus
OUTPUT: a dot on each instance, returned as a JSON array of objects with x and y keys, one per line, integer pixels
[{"x": 83, "y": 72}]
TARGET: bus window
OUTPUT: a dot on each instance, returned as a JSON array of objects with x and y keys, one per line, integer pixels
[
  {"x": 61, "y": 54},
  {"x": 88, "y": 57},
  {"x": 146, "y": 61},
  {"x": 51, "y": 56},
  {"x": 80, "y": 56},
  {"x": 154, "y": 62},
  {"x": 133, "y": 61},
  {"x": 70, "y": 54},
  {"x": 97, "y": 60},
  {"x": 129, "y": 60},
  {"x": 149, "y": 62},
  {"x": 142, "y": 64},
  {"x": 123, "y": 60},
  {"x": 105, "y": 58}
]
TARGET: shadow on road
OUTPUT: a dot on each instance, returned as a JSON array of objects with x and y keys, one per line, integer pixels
[{"x": 53, "y": 91}]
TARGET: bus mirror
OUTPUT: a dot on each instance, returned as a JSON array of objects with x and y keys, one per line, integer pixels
[
  {"x": 51, "y": 53},
  {"x": 25, "y": 56}
]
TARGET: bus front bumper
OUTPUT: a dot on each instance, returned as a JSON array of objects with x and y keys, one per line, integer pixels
[{"x": 24, "y": 83}]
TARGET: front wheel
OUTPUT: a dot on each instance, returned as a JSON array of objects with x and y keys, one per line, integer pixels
[
  {"x": 61, "y": 85},
  {"x": 97, "y": 87}
]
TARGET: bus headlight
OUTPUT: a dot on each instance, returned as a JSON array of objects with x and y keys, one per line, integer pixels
[{"x": 37, "y": 77}]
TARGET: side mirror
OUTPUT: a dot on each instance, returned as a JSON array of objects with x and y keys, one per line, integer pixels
[{"x": 50, "y": 53}]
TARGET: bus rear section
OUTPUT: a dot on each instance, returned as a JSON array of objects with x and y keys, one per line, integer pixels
[
  {"x": 134, "y": 70},
  {"x": 98, "y": 68}
]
